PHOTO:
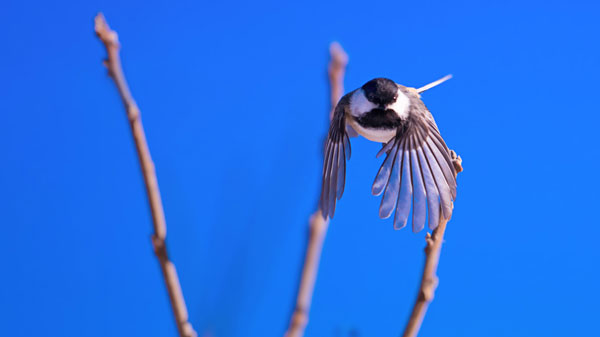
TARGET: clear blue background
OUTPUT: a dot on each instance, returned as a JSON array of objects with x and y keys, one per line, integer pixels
[{"x": 234, "y": 100}]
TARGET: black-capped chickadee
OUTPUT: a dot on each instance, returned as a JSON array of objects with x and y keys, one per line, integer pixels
[{"x": 418, "y": 168}]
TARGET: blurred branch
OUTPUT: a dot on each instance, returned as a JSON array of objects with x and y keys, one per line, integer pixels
[
  {"x": 113, "y": 63},
  {"x": 317, "y": 225},
  {"x": 429, "y": 280},
  {"x": 336, "y": 71}
]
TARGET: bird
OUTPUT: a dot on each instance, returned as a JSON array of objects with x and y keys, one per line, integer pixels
[{"x": 418, "y": 169}]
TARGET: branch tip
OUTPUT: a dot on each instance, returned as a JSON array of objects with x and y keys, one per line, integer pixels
[
  {"x": 338, "y": 55},
  {"x": 103, "y": 31},
  {"x": 434, "y": 83}
]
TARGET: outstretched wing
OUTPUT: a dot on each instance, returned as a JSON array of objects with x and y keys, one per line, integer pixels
[
  {"x": 337, "y": 150},
  {"x": 418, "y": 170}
]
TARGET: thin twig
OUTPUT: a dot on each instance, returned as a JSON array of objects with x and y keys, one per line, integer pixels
[
  {"x": 113, "y": 63},
  {"x": 429, "y": 280},
  {"x": 433, "y": 84},
  {"x": 317, "y": 225}
]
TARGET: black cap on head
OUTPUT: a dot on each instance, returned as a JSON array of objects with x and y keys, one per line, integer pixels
[{"x": 381, "y": 91}]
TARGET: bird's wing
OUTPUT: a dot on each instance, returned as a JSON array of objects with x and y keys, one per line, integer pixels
[
  {"x": 418, "y": 169},
  {"x": 337, "y": 151}
]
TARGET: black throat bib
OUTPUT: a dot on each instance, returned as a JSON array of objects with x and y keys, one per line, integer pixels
[{"x": 380, "y": 119}]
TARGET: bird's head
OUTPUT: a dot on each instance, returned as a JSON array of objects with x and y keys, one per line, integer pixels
[
  {"x": 380, "y": 91},
  {"x": 379, "y": 95}
]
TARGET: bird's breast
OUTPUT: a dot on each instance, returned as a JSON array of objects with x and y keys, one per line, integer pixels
[{"x": 374, "y": 128}]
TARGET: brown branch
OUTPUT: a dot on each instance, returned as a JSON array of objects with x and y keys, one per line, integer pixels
[
  {"x": 429, "y": 280},
  {"x": 113, "y": 64},
  {"x": 317, "y": 225}
]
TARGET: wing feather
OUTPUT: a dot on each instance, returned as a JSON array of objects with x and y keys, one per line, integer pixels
[
  {"x": 441, "y": 146},
  {"x": 333, "y": 174},
  {"x": 386, "y": 147},
  {"x": 347, "y": 148},
  {"x": 390, "y": 195},
  {"x": 406, "y": 189},
  {"x": 432, "y": 194},
  {"x": 419, "y": 197},
  {"x": 324, "y": 204},
  {"x": 444, "y": 167},
  {"x": 383, "y": 176},
  {"x": 341, "y": 178},
  {"x": 337, "y": 151},
  {"x": 442, "y": 154},
  {"x": 440, "y": 182}
]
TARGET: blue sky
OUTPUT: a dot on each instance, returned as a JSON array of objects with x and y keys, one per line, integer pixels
[{"x": 234, "y": 101}]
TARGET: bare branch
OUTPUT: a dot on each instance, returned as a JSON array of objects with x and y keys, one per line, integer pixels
[
  {"x": 317, "y": 225},
  {"x": 429, "y": 280},
  {"x": 433, "y": 84},
  {"x": 113, "y": 63}
]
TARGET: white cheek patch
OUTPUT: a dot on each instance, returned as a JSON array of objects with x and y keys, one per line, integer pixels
[
  {"x": 360, "y": 105},
  {"x": 401, "y": 105}
]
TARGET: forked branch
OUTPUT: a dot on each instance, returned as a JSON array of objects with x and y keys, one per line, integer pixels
[
  {"x": 317, "y": 225},
  {"x": 113, "y": 64}
]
